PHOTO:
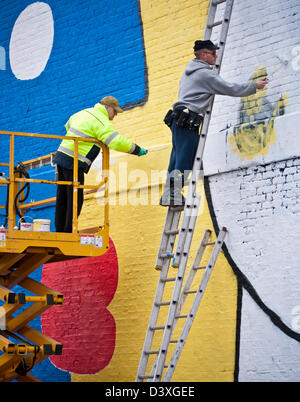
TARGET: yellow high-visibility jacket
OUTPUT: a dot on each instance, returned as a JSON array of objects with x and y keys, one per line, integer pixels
[{"x": 91, "y": 123}]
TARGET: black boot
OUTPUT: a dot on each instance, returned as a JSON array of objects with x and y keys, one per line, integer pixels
[{"x": 172, "y": 194}]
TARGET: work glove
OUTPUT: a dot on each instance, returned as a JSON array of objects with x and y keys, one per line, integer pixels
[{"x": 142, "y": 152}]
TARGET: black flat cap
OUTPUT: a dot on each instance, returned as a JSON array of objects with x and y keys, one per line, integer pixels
[{"x": 205, "y": 44}]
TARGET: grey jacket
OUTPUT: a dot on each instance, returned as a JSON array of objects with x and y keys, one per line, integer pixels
[{"x": 199, "y": 82}]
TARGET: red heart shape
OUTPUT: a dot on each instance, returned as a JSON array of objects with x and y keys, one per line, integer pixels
[{"x": 82, "y": 324}]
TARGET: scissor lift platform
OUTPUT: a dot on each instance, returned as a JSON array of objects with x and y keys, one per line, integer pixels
[
  {"x": 23, "y": 251},
  {"x": 66, "y": 244},
  {"x": 18, "y": 260}
]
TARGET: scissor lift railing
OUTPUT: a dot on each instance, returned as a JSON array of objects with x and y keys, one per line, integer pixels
[{"x": 22, "y": 252}]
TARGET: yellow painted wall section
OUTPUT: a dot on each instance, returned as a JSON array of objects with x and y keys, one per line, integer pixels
[{"x": 170, "y": 29}]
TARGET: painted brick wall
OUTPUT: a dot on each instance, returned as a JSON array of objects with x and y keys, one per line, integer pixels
[
  {"x": 52, "y": 69},
  {"x": 247, "y": 326},
  {"x": 58, "y": 58},
  {"x": 252, "y": 168},
  {"x": 169, "y": 34}
]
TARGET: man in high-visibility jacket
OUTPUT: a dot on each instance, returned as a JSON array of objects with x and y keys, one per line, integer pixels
[{"x": 89, "y": 123}]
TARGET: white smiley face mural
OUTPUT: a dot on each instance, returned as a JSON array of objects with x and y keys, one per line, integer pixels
[
  {"x": 252, "y": 165},
  {"x": 33, "y": 31}
]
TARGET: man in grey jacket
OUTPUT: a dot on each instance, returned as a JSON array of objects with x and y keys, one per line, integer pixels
[{"x": 198, "y": 84}]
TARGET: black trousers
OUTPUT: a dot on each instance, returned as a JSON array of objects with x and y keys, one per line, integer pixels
[
  {"x": 64, "y": 200},
  {"x": 184, "y": 148}
]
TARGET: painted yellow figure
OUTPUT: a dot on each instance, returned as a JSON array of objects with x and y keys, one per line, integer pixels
[{"x": 255, "y": 132}]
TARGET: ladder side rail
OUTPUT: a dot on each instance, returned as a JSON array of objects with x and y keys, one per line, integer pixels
[
  {"x": 192, "y": 272},
  {"x": 190, "y": 210},
  {"x": 207, "y": 117},
  {"x": 206, "y": 121},
  {"x": 197, "y": 300},
  {"x": 224, "y": 34},
  {"x": 222, "y": 41},
  {"x": 175, "y": 297},
  {"x": 187, "y": 284},
  {"x": 210, "y": 20},
  {"x": 193, "y": 199},
  {"x": 172, "y": 219},
  {"x": 164, "y": 238},
  {"x": 152, "y": 322},
  {"x": 181, "y": 238}
]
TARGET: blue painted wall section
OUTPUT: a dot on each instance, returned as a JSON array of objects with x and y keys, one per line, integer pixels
[{"x": 98, "y": 50}]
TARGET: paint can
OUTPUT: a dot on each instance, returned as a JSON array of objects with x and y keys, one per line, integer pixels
[
  {"x": 41, "y": 225},
  {"x": 27, "y": 226}
]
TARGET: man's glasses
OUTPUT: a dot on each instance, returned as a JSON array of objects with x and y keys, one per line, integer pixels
[{"x": 213, "y": 53}]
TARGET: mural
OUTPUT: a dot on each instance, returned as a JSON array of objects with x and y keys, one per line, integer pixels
[
  {"x": 255, "y": 132},
  {"x": 59, "y": 57},
  {"x": 92, "y": 287},
  {"x": 253, "y": 189}
]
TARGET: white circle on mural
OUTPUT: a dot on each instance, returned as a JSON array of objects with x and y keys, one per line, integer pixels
[{"x": 31, "y": 41}]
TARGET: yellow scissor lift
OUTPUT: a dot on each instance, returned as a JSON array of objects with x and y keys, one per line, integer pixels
[{"x": 22, "y": 252}]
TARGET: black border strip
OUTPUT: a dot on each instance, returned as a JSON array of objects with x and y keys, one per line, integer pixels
[
  {"x": 243, "y": 282},
  {"x": 238, "y": 330}
]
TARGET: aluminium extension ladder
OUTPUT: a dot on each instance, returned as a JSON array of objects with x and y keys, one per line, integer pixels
[{"x": 185, "y": 235}]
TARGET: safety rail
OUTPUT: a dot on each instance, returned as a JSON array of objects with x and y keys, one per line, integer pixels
[
  {"x": 24, "y": 251},
  {"x": 14, "y": 181}
]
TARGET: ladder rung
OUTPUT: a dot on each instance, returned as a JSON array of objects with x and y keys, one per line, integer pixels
[
  {"x": 145, "y": 377},
  {"x": 167, "y": 255},
  {"x": 168, "y": 280},
  {"x": 173, "y": 340},
  {"x": 157, "y": 328},
  {"x": 180, "y": 316},
  {"x": 162, "y": 304},
  {"x": 217, "y": 2},
  {"x": 177, "y": 208},
  {"x": 171, "y": 232},
  {"x": 201, "y": 267},
  {"x": 215, "y": 24},
  {"x": 187, "y": 292},
  {"x": 151, "y": 352},
  {"x": 210, "y": 243}
]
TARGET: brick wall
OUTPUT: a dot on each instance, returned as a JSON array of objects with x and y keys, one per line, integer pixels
[
  {"x": 247, "y": 325},
  {"x": 58, "y": 58},
  {"x": 252, "y": 168},
  {"x": 53, "y": 70}
]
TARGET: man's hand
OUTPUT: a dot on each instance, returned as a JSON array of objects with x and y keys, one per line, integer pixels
[
  {"x": 261, "y": 83},
  {"x": 142, "y": 152}
]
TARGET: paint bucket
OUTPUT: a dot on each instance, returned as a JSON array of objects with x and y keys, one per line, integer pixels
[
  {"x": 27, "y": 226},
  {"x": 41, "y": 225}
]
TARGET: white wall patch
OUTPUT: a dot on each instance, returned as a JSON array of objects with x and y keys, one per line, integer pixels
[{"x": 31, "y": 41}]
